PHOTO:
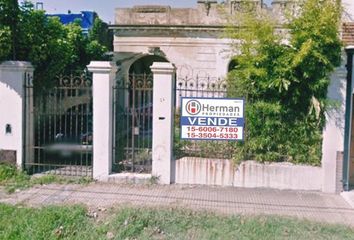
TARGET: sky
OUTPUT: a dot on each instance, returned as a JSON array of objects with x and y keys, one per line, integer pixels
[{"x": 105, "y": 8}]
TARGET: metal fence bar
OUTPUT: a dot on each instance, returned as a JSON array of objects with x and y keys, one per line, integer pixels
[
  {"x": 210, "y": 87},
  {"x": 62, "y": 118},
  {"x": 133, "y": 128}
]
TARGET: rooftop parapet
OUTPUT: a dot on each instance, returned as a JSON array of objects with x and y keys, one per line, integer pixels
[{"x": 207, "y": 13}]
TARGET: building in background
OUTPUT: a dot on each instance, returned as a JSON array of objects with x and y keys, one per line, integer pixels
[{"x": 86, "y": 18}]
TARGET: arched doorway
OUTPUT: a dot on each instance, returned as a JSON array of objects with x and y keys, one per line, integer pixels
[
  {"x": 143, "y": 64},
  {"x": 133, "y": 116},
  {"x": 232, "y": 65}
]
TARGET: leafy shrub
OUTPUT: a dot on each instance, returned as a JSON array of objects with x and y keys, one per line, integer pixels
[
  {"x": 284, "y": 78},
  {"x": 7, "y": 172},
  {"x": 14, "y": 179}
]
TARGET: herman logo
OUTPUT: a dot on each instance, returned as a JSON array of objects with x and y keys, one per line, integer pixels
[
  {"x": 213, "y": 107},
  {"x": 223, "y": 109},
  {"x": 205, "y": 118},
  {"x": 193, "y": 107}
]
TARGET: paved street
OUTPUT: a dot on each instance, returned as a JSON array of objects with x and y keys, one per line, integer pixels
[{"x": 306, "y": 205}]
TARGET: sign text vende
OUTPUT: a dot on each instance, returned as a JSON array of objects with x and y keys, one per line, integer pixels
[{"x": 212, "y": 119}]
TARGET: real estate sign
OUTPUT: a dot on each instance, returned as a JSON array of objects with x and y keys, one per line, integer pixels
[{"x": 212, "y": 119}]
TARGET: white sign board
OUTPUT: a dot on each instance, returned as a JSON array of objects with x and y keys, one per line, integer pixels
[{"x": 212, "y": 119}]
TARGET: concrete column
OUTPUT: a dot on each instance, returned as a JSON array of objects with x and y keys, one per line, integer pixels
[
  {"x": 333, "y": 132},
  {"x": 16, "y": 107},
  {"x": 163, "y": 165},
  {"x": 102, "y": 90}
]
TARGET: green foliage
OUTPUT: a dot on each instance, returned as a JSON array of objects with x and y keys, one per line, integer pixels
[
  {"x": 5, "y": 42},
  {"x": 29, "y": 35},
  {"x": 9, "y": 21},
  {"x": 45, "y": 223},
  {"x": 72, "y": 222},
  {"x": 101, "y": 34},
  {"x": 9, "y": 10},
  {"x": 153, "y": 180},
  {"x": 14, "y": 179},
  {"x": 284, "y": 77},
  {"x": 6, "y": 172},
  {"x": 133, "y": 223},
  {"x": 44, "y": 43}
]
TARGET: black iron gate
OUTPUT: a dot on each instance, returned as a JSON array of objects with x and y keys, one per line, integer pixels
[
  {"x": 62, "y": 123},
  {"x": 132, "y": 113}
]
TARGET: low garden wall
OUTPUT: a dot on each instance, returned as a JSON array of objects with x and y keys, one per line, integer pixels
[{"x": 251, "y": 174}]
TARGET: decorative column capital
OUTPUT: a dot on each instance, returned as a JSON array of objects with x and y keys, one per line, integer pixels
[
  {"x": 163, "y": 68},
  {"x": 102, "y": 67},
  {"x": 15, "y": 66}
]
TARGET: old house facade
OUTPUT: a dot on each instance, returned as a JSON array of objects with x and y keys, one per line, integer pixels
[
  {"x": 193, "y": 40},
  {"x": 187, "y": 43}
]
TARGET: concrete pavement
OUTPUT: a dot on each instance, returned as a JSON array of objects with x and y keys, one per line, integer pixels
[
  {"x": 349, "y": 197},
  {"x": 314, "y": 206}
]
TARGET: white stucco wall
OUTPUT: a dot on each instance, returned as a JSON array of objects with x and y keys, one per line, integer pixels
[
  {"x": 249, "y": 174},
  {"x": 102, "y": 90},
  {"x": 333, "y": 133},
  {"x": 12, "y": 106},
  {"x": 162, "y": 123},
  {"x": 192, "y": 56},
  {"x": 11, "y": 91}
]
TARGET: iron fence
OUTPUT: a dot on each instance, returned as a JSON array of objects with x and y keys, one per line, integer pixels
[
  {"x": 62, "y": 122},
  {"x": 207, "y": 87},
  {"x": 132, "y": 118}
]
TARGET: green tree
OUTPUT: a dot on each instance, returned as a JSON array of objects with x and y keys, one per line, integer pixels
[
  {"x": 101, "y": 34},
  {"x": 5, "y": 42},
  {"x": 284, "y": 77},
  {"x": 9, "y": 20},
  {"x": 45, "y": 42},
  {"x": 84, "y": 48}
]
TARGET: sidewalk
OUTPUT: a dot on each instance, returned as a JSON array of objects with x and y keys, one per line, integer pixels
[
  {"x": 305, "y": 205},
  {"x": 349, "y": 197}
]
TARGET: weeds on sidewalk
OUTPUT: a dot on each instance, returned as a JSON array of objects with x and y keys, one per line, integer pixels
[
  {"x": 74, "y": 222},
  {"x": 13, "y": 179},
  {"x": 153, "y": 180}
]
